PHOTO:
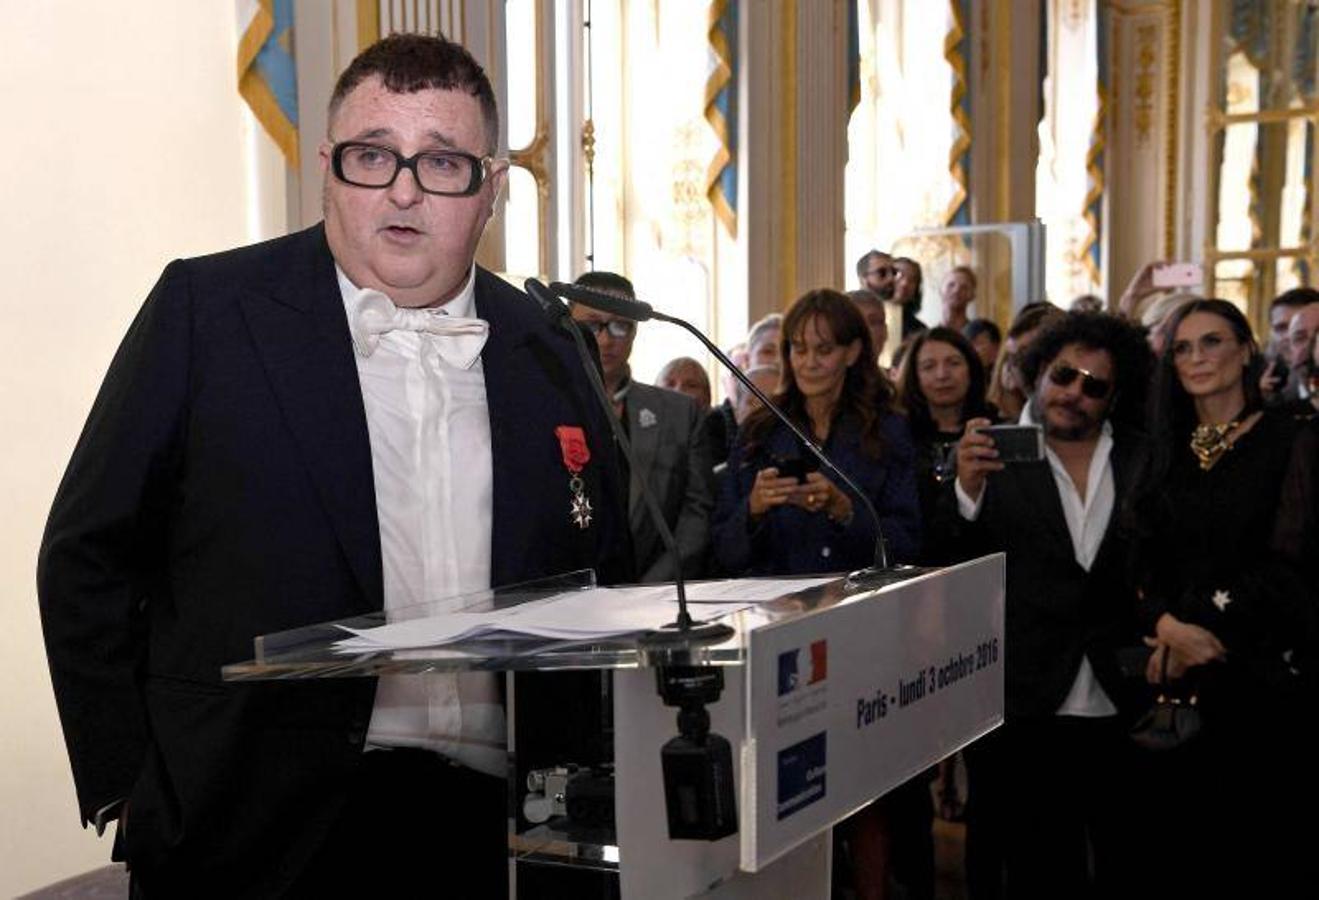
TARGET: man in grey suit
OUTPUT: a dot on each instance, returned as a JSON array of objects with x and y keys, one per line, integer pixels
[{"x": 671, "y": 450}]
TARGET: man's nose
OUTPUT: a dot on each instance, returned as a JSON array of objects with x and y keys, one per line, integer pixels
[{"x": 405, "y": 191}]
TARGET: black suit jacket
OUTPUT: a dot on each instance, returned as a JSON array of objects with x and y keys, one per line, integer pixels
[
  {"x": 222, "y": 488},
  {"x": 1056, "y": 611}
]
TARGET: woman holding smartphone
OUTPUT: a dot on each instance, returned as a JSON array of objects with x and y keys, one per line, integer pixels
[
  {"x": 941, "y": 385},
  {"x": 1222, "y": 518},
  {"x": 776, "y": 515},
  {"x": 769, "y": 522}
]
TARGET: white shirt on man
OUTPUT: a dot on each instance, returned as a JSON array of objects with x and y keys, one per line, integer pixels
[
  {"x": 429, "y": 427},
  {"x": 1087, "y": 522}
]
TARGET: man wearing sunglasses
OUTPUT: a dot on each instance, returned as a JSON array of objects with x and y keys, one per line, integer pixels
[
  {"x": 349, "y": 418},
  {"x": 876, "y": 273},
  {"x": 671, "y": 447},
  {"x": 1050, "y": 789}
]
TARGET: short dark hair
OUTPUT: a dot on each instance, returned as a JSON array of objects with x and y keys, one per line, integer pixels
[
  {"x": 1295, "y": 298},
  {"x": 407, "y": 63},
  {"x": 976, "y": 327},
  {"x": 864, "y": 262},
  {"x": 610, "y": 282},
  {"x": 1124, "y": 342}
]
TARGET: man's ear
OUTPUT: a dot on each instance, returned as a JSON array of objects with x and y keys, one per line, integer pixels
[{"x": 498, "y": 178}]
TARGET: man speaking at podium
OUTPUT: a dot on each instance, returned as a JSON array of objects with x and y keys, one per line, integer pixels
[{"x": 347, "y": 418}]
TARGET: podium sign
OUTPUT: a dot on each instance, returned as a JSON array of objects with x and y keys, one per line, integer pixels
[
  {"x": 848, "y": 703},
  {"x": 834, "y": 694}
]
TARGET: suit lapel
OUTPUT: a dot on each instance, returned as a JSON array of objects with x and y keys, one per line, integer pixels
[
  {"x": 1123, "y": 459},
  {"x": 1041, "y": 494},
  {"x": 643, "y": 432},
  {"x": 532, "y": 533},
  {"x": 301, "y": 335}
]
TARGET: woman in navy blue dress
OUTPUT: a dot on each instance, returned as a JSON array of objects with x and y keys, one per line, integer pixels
[{"x": 771, "y": 522}]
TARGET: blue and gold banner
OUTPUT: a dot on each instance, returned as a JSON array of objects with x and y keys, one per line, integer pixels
[
  {"x": 267, "y": 75},
  {"x": 957, "y": 50},
  {"x": 721, "y": 111},
  {"x": 1092, "y": 246}
]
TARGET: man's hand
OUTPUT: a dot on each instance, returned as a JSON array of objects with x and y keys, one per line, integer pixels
[
  {"x": 769, "y": 491},
  {"x": 976, "y": 458}
]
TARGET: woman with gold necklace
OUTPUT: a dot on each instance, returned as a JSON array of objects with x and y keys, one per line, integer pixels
[{"x": 1225, "y": 604}]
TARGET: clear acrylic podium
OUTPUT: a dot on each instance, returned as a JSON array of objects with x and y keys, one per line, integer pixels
[{"x": 833, "y": 696}]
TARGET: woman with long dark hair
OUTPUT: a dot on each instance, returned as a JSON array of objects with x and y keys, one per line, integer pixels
[
  {"x": 941, "y": 385},
  {"x": 768, "y": 521},
  {"x": 1230, "y": 614},
  {"x": 772, "y": 520}
]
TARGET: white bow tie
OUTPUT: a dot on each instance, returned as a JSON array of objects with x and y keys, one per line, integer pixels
[{"x": 375, "y": 314}]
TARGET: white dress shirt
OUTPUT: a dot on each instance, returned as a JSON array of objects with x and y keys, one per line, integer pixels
[
  {"x": 429, "y": 427},
  {"x": 1087, "y": 521}
]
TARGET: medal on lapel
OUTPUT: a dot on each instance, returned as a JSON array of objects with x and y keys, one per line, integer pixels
[{"x": 576, "y": 454}]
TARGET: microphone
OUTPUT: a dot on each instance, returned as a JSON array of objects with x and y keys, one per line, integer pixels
[
  {"x": 882, "y": 572},
  {"x": 685, "y": 628},
  {"x": 618, "y": 306}
]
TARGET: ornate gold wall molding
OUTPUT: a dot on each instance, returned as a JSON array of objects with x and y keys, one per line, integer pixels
[
  {"x": 1147, "y": 72},
  {"x": 787, "y": 253},
  {"x": 1143, "y": 146}
]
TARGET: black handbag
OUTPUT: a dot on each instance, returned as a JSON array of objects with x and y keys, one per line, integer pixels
[{"x": 1172, "y": 722}]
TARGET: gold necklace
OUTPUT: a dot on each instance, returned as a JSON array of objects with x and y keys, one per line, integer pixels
[{"x": 1209, "y": 442}]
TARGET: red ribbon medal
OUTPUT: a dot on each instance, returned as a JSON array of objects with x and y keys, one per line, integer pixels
[{"x": 576, "y": 454}]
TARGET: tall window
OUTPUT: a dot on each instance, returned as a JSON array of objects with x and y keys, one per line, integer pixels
[
  {"x": 898, "y": 176},
  {"x": 645, "y": 202},
  {"x": 1068, "y": 132},
  {"x": 1263, "y": 208}
]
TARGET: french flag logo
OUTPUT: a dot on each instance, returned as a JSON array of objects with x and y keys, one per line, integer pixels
[
  {"x": 796, "y": 672},
  {"x": 819, "y": 662}
]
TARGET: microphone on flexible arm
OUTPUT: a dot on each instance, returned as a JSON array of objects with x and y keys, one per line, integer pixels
[
  {"x": 882, "y": 572},
  {"x": 685, "y": 628}
]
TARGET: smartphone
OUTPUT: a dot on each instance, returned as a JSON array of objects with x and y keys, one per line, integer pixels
[
  {"x": 1016, "y": 443},
  {"x": 1177, "y": 275},
  {"x": 796, "y": 467}
]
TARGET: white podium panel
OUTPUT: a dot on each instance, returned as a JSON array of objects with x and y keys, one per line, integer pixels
[
  {"x": 847, "y": 703},
  {"x": 835, "y": 704}
]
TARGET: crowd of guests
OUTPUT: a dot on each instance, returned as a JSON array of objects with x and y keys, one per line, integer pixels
[{"x": 1166, "y": 543}]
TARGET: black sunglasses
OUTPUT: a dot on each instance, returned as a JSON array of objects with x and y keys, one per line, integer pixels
[
  {"x": 617, "y": 328},
  {"x": 1092, "y": 387}
]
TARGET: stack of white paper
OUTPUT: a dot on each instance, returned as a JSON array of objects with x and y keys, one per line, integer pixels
[{"x": 574, "y": 615}]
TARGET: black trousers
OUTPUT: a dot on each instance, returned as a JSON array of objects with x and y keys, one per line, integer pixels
[
  {"x": 415, "y": 826},
  {"x": 1049, "y": 806}
]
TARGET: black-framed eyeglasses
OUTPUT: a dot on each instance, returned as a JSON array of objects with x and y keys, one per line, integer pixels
[
  {"x": 1091, "y": 386},
  {"x": 617, "y": 328},
  {"x": 449, "y": 173},
  {"x": 884, "y": 271}
]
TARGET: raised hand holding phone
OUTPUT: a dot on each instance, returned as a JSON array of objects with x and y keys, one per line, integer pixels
[{"x": 976, "y": 458}]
